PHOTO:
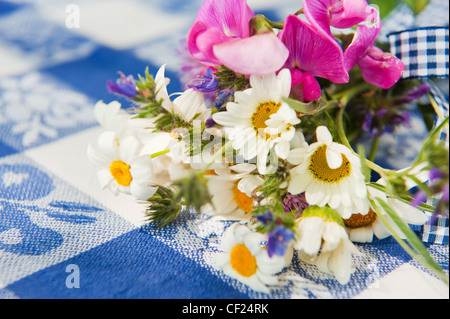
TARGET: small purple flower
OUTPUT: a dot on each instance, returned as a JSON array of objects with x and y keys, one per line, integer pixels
[
  {"x": 265, "y": 219},
  {"x": 206, "y": 83},
  {"x": 279, "y": 240},
  {"x": 125, "y": 85},
  {"x": 296, "y": 203}
]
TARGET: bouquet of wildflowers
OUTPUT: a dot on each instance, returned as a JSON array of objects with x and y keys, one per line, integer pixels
[{"x": 270, "y": 132}]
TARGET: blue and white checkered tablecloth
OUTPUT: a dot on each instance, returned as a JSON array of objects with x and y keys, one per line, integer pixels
[{"x": 61, "y": 235}]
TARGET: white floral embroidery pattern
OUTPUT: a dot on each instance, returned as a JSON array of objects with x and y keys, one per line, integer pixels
[{"x": 37, "y": 108}]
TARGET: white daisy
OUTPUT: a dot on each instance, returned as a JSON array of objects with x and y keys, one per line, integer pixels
[
  {"x": 190, "y": 105},
  {"x": 362, "y": 228},
  {"x": 122, "y": 170},
  {"x": 112, "y": 117},
  {"x": 231, "y": 190},
  {"x": 245, "y": 258},
  {"x": 259, "y": 120},
  {"x": 330, "y": 174},
  {"x": 161, "y": 83},
  {"x": 323, "y": 241}
]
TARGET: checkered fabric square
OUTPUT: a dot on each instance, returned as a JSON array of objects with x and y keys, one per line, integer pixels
[
  {"x": 424, "y": 51},
  {"x": 437, "y": 231}
]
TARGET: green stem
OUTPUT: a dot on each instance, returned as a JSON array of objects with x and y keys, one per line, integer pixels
[
  {"x": 160, "y": 153},
  {"x": 373, "y": 150},
  {"x": 276, "y": 25},
  {"x": 340, "y": 127}
]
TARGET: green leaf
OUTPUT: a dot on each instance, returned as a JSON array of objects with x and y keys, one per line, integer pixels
[
  {"x": 309, "y": 108},
  {"x": 364, "y": 168}
]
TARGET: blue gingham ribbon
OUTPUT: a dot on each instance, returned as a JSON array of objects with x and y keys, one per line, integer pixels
[
  {"x": 425, "y": 54},
  {"x": 424, "y": 51}
]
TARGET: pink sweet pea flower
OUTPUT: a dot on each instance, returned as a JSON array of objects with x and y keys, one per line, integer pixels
[
  {"x": 377, "y": 67},
  {"x": 337, "y": 13},
  {"x": 311, "y": 54},
  {"x": 221, "y": 35}
]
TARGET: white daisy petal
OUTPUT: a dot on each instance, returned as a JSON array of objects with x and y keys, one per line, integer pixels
[
  {"x": 228, "y": 119},
  {"x": 362, "y": 234},
  {"x": 334, "y": 159},
  {"x": 379, "y": 229},
  {"x": 408, "y": 213},
  {"x": 323, "y": 135},
  {"x": 282, "y": 149},
  {"x": 129, "y": 148},
  {"x": 142, "y": 191}
]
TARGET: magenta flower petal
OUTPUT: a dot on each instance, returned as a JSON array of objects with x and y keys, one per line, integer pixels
[
  {"x": 339, "y": 14},
  {"x": 201, "y": 40},
  {"x": 317, "y": 13},
  {"x": 347, "y": 13},
  {"x": 218, "y": 22},
  {"x": 381, "y": 68},
  {"x": 297, "y": 76},
  {"x": 313, "y": 52},
  {"x": 230, "y": 16},
  {"x": 258, "y": 55},
  {"x": 363, "y": 40},
  {"x": 308, "y": 89}
]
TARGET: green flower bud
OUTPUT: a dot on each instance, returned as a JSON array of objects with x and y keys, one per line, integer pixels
[{"x": 259, "y": 24}]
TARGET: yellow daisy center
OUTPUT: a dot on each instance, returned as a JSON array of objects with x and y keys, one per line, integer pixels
[
  {"x": 242, "y": 200},
  {"x": 121, "y": 173},
  {"x": 262, "y": 114},
  {"x": 319, "y": 167},
  {"x": 243, "y": 261}
]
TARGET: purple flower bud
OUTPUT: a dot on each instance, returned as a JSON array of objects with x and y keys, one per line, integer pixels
[
  {"x": 210, "y": 122},
  {"x": 415, "y": 93},
  {"x": 367, "y": 121},
  {"x": 419, "y": 198},
  {"x": 382, "y": 112},
  {"x": 223, "y": 97},
  {"x": 435, "y": 174},
  {"x": 125, "y": 85},
  {"x": 445, "y": 195},
  {"x": 296, "y": 203},
  {"x": 278, "y": 241}
]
